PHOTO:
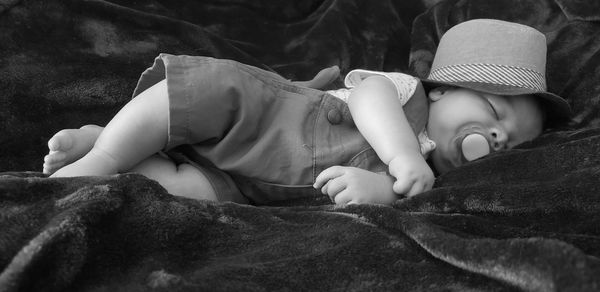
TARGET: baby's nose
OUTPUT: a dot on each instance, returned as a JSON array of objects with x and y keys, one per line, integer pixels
[{"x": 499, "y": 139}]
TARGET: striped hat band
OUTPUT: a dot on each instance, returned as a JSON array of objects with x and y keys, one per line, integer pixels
[{"x": 491, "y": 74}]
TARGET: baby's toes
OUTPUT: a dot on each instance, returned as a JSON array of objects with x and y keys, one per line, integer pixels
[
  {"x": 53, "y": 161},
  {"x": 61, "y": 141},
  {"x": 55, "y": 157},
  {"x": 51, "y": 168}
]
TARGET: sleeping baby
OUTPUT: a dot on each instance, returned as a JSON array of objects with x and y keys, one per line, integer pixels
[{"x": 220, "y": 130}]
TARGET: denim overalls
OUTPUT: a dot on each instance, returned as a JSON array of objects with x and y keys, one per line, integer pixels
[{"x": 254, "y": 132}]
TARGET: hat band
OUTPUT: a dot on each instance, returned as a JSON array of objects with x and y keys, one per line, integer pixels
[{"x": 491, "y": 73}]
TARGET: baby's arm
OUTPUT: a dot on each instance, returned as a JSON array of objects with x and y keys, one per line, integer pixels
[{"x": 380, "y": 118}]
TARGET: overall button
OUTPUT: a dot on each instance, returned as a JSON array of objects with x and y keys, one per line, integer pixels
[{"x": 334, "y": 116}]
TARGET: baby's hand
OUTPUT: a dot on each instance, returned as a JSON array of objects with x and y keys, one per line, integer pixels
[
  {"x": 351, "y": 185},
  {"x": 413, "y": 175}
]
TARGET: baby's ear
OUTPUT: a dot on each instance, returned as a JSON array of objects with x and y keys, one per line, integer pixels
[{"x": 437, "y": 93}]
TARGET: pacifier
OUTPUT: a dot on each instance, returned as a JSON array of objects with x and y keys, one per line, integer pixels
[{"x": 474, "y": 146}]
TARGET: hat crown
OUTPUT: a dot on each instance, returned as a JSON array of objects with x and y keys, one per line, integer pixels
[
  {"x": 500, "y": 49},
  {"x": 482, "y": 41},
  {"x": 496, "y": 57}
]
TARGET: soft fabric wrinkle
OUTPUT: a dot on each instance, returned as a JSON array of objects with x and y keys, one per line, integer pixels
[
  {"x": 523, "y": 220},
  {"x": 580, "y": 10}
]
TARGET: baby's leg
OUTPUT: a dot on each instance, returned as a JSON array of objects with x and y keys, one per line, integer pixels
[
  {"x": 69, "y": 145},
  {"x": 181, "y": 180},
  {"x": 184, "y": 180},
  {"x": 138, "y": 131}
]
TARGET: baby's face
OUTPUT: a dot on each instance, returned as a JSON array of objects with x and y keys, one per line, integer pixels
[{"x": 505, "y": 121}]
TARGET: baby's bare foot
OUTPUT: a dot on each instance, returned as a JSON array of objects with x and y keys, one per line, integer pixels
[{"x": 68, "y": 145}]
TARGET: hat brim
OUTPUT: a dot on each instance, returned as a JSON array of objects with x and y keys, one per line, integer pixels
[{"x": 556, "y": 106}]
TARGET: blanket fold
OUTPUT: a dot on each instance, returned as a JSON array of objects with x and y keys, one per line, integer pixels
[{"x": 522, "y": 220}]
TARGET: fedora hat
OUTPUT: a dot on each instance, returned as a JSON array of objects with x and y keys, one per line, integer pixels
[{"x": 497, "y": 57}]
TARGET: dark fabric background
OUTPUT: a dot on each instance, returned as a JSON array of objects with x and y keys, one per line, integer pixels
[
  {"x": 524, "y": 220},
  {"x": 69, "y": 63}
]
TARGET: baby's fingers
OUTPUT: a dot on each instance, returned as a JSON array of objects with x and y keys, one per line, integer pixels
[
  {"x": 327, "y": 175},
  {"x": 333, "y": 187},
  {"x": 412, "y": 188},
  {"x": 403, "y": 186},
  {"x": 342, "y": 198}
]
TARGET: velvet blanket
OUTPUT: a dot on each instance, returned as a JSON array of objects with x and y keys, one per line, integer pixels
[{"x": 524, "y": 220}]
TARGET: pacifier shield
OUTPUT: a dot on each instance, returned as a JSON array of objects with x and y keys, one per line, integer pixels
[{"x": 475, "y": 146}]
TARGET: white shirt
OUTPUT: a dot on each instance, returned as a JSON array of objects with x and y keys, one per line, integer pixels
[{"x": 405, "y": 88}]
